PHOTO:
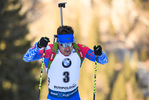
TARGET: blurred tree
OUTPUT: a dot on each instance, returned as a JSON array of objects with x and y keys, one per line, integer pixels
[
  {"x": 111, "y": 66},
  {"x": 135, "y": 61},
  {"x": 119, "y": 90},
  {"x": 136, "y": 93},
  {"x": 132, "y": 85},
  {"x": 143, "y": 54},
  {"x": 16, "y": 79},
  {"x": 127, "y": 68},
  {"x": 111, "y": 73}
]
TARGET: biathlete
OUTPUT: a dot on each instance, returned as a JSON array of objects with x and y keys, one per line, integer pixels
[{"x": 63, "y": 60}]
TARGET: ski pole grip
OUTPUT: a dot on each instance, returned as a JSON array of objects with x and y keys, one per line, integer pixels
[
  {"x": 55, "y": 36},
  {"x": 95, "y": 52}
]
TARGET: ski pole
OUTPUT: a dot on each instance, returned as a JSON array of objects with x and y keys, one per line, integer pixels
[
  {"x": 95, "y": 77},
  {"x": 41, "y": 73},
  {"x": 61, "y": 5},
  {"x": 55, "y": 36}
]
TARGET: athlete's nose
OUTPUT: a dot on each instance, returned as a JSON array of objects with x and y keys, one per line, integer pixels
[{"x": 67, "y": 48}]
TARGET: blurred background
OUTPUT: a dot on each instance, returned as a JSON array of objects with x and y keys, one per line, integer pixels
[{"x": 121, "y": 27}]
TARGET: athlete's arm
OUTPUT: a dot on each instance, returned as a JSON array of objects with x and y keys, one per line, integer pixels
[
  {"x": 102, "y": 59},
  {"x": 89, "y": 54},
  {"x": 32, "y": 54}
]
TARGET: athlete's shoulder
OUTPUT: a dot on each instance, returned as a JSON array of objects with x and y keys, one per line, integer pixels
[
  {"x": 83, "y": 48},
  {"x": 49, "y": 46}
]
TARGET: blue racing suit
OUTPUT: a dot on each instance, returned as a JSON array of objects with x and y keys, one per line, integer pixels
[{"x": 68, "y": 89}]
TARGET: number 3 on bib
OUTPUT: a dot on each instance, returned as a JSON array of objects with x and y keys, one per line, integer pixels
[{"x": 66, "y": 77}]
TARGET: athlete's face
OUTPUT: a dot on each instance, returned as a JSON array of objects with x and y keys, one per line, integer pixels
[{"x": 65, "y": 50}]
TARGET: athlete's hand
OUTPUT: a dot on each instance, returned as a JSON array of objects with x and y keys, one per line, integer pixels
[
  {"x": 43, "y": 42},
  {"x": 98, "y": 50}
]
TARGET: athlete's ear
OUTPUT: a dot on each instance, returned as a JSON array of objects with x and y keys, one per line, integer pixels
[{"x": 59, "y": 45}]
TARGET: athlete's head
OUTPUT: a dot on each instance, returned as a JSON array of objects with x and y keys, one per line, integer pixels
[
  {"x": 65, "y": 39},
  {"x": 65, "y": 30}
]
